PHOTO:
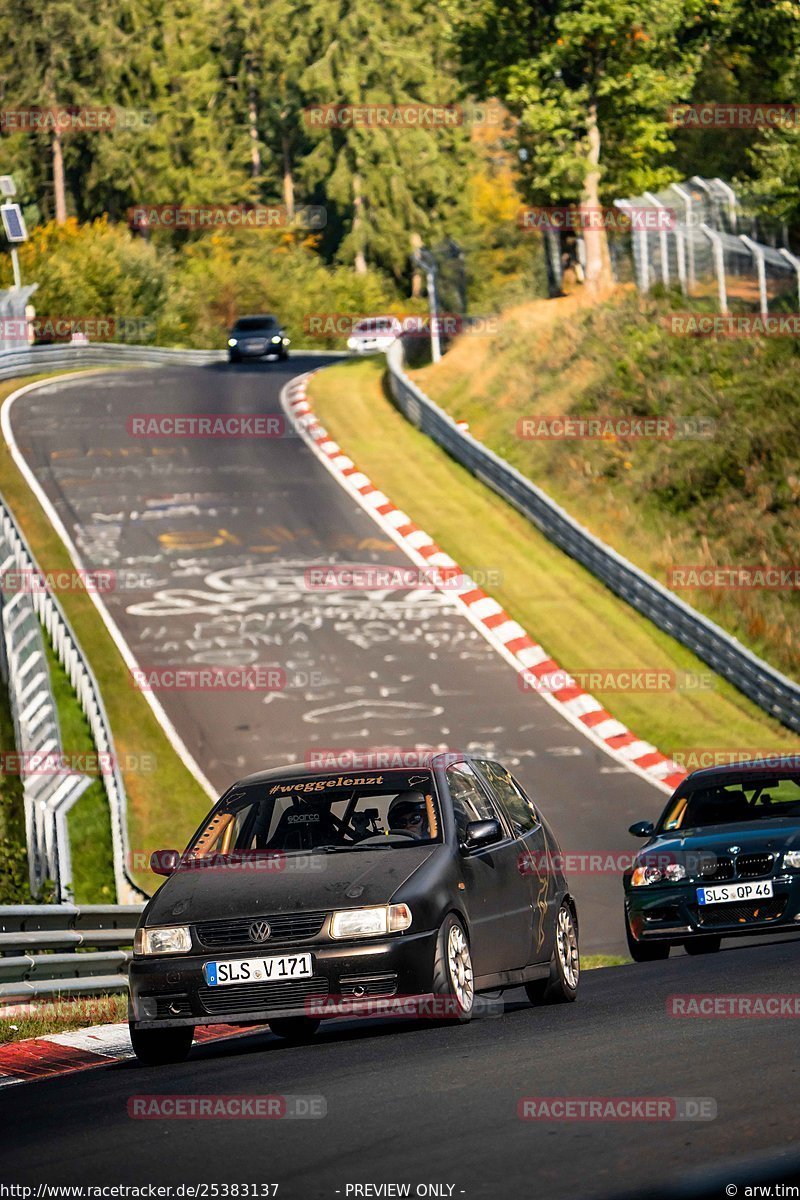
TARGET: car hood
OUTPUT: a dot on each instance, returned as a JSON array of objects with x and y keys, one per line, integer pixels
[
  {"x": 304, "y": 883},
  {"x": 764, "y": 836}
]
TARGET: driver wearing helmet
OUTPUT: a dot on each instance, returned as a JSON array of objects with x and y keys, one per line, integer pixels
[{"x": 408, "y": 814}]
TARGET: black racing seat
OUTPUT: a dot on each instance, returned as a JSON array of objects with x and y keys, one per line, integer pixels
[{"x": 303, "y": 828}]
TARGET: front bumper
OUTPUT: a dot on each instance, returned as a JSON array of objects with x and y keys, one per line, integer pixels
[
  {"x": 260, "y": 349},
  {"x": 168, "y": 990},
  {"x": 671, "y": 912}
]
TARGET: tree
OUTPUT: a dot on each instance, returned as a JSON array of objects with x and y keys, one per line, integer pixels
[
  {"x": 591, "y": 82},
  {"x": 389, "y": 186},
  {"x": 51, "y": 56}
]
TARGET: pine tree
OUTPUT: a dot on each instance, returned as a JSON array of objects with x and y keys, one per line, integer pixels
[{"x": 389, "y": 187}]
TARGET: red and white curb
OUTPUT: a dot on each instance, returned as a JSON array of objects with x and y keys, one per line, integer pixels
[
  {"x": 82, "y": 1049},
  {"x": 508, "y": 637}
]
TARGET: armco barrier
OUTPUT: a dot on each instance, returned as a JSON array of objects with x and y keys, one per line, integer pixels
[
  {"x": 775, "y": 693},
  {"x": 58, "y": 949}
]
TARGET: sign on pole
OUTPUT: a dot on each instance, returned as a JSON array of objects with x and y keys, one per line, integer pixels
[
  {"x": 7, "y": 185},
  {"x": 14, "y": 223}
]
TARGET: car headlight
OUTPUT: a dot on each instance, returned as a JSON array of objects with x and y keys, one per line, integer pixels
[
  {"x": 163, "y": 939},
  {"x": 647, "y": 874},
  {"x": 369, "y": 922},
  {"x": 287, "y": 341},
  {"x": 233, "y": 342},
  {"x": 791, "y": 859},
  {"x": 276, "y": 338}
]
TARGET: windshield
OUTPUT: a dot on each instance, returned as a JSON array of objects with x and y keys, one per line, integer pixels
[
  {"x": 744, "y": 799},
  {"x": 255, "y": 325},
  {"x": 384, "y": 810}
]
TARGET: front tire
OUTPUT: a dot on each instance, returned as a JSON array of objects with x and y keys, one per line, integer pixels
[
  {"x": 645, "y": 951},
  {"x": 703, "y": 945},
  {"x": 295, "y": 1030},
  {"x": 155, "y": 1047},
  {"x": 452, "y": 970},
  {"x": 561, "y": 987}
]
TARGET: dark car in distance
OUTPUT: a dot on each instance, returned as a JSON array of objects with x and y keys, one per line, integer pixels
[
  {"x": 307, "y": 889},
  {"x": 258, "y": 337},
  {"x": 723, "y": 860}
]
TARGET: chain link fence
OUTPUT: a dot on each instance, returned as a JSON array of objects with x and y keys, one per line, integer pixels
[{"x": 704, "y": 239}]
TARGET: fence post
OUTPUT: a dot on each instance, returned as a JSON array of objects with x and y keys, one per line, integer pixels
[
  {"x": 758, "y": 255},
  {"x": 687, "y": 200},
  {"x": 791, "y": 258},
  {"x": 662, "y": 240},
  {"x": 719, "y": 263},
  {"x": 731, "y": 194}
]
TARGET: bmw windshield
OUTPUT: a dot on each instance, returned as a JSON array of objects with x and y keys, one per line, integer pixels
[
  {"x": 323, "y": 814},
  {"x": 746, "y": 799}
]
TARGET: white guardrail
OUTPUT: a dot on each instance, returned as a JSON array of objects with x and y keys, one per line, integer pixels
[
  {"x": 48, "y": 797},
  {"x": 58, "y": 949},
  {"x": 775, "y": 693}
]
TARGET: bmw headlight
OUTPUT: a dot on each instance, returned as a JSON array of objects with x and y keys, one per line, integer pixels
[
  {"x": 277, "y": 338},
  {"x": 791, "y": 859},
  {"x": 163, "y": 939},
  {"x": 233, "y": 341},
  {"x": 370, "y": 922},
  {"x": 649, "y": 873}
]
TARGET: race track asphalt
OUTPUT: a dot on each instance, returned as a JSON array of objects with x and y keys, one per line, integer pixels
[
  {"x": 211, "y": 540},
  {"x": 419, "y": 1102}
]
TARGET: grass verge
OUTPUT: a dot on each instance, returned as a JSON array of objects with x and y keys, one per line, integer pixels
[
  {"x": 58, "y": 1016},
  {"x": 138, "y": 736},
  {"x": 579, "y": 622},
  {"x": 725, "y": 495}
]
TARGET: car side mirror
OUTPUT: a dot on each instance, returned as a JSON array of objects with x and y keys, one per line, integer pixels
[
  {"x": 642, "y": 829},
  {"x": 164, "y": 862},
  {"x": 481, "y": 833}
]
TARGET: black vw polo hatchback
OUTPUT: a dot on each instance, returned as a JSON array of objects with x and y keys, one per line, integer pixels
[{"x": 310, "y": 893}]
